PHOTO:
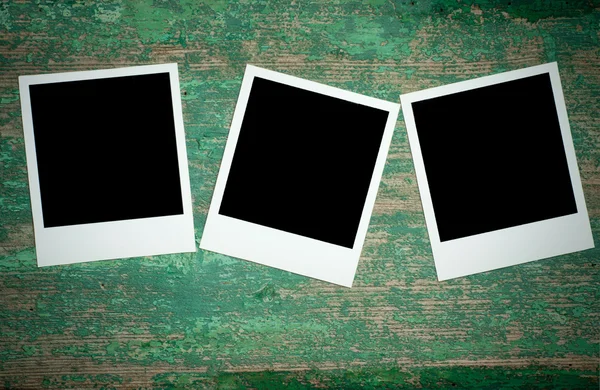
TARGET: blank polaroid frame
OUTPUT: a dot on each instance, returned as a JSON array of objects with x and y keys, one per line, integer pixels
[
  {"x": 497, "y": 171},
  {"x": 299, "y": 176},
  {"x": 107, "y": 164}
]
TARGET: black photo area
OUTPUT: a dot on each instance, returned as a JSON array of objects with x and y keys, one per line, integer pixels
[
  {"x": 106, "y": 149},
  {"x": 494, "y": 157},
  {"x": 303, "y": 162}
]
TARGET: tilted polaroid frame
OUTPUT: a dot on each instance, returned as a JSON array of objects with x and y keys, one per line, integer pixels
[
  {"x": 510, "y": 246},
  {"x": 277, "y": 248},
  {"x": 115, "y": 239}
]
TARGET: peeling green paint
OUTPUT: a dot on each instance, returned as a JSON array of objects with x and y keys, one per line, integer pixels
[
  {"x": 483, "y": 378},
  {"x": 205, "y": 314}
]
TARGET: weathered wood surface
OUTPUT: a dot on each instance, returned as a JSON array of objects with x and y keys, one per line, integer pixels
[{"x": 203, "y": 319}]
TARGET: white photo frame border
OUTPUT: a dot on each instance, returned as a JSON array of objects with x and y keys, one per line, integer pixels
[
  {"x": 277, "y": 248},
  {"x": 510, "y": 246},
  {"x": 115, "y": 239}
]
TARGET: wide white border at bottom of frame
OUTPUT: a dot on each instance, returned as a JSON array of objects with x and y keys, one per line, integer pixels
[
  {"x": 276, "y": 248},
  {"x": 515, "y": 245}
]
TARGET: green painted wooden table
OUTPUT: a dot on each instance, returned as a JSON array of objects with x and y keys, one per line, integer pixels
[{"x": 207, "y": 320}]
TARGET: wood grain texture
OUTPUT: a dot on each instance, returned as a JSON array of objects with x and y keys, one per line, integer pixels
[{"x": 207, "y": 320}]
